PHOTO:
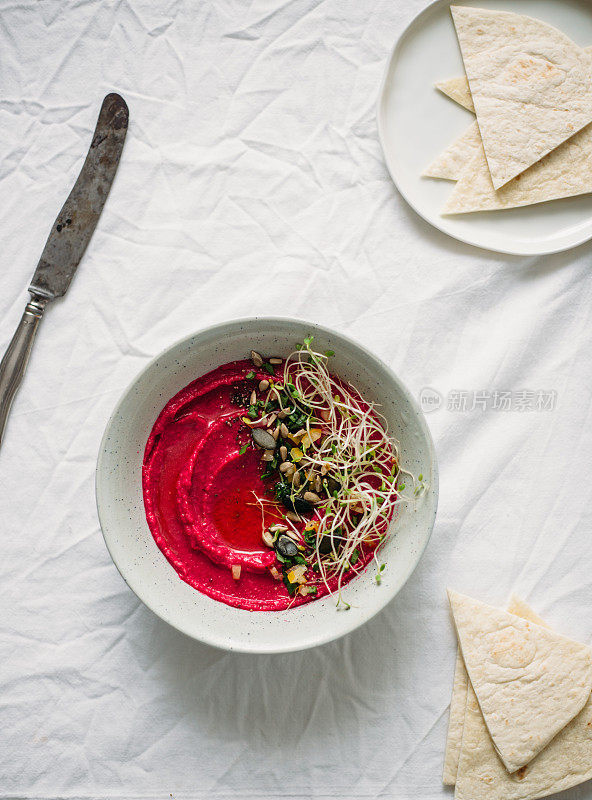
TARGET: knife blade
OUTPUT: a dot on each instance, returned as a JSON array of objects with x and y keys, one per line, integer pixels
[
  {"x": 67, "y": 241},
  {"x": 78, "y": 218}
]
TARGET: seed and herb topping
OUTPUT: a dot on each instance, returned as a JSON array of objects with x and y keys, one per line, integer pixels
[{"x": 335, "y": 469}]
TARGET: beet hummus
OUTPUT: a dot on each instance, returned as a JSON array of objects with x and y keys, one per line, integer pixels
[{"x": 221, "y": 475}]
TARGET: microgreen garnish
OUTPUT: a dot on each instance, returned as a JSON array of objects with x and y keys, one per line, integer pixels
[{"x": 335, "y": 468}]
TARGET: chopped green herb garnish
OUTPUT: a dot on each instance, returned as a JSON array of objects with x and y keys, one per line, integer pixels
[{"x": 250, "y": 375}]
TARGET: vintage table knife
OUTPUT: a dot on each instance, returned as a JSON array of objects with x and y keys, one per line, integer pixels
[{"x": 67, "y": 241}]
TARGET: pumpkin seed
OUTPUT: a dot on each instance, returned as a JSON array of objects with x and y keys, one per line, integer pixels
[
  {"x": 285, "y": 546},
  {"x": 256, "y": 358},
  {"x": 263, "y": 439}
]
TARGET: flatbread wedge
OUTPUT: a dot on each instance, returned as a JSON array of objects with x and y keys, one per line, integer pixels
[
  {"x": 529, "y": 681},
  {"x": 456, "y": 721},
  {"x": 457, "y": 89},
  {"x": 451, "y": 164},
  {"x": 566, "y": 172},
  {"x": 530, "y": 84},
  {"x": 565, "y": 762},
  {"x": 458, "y": 701}
]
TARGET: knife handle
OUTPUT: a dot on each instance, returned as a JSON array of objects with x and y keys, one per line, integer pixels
[{"x": 14, "y": 363}]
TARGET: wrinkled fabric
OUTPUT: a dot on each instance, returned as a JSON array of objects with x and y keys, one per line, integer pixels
[{"x": 252, "y": 182}]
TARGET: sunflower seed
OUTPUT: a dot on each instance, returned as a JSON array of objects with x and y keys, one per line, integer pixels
[
  {"x": 325, "y": 415},
  {"x": 271, "y": 419},
  {"x": 287, "y": 465},
  {"x": 283, "y": 414},
  {"x": 278, "y": 527},
  {"x": 275, "y": 360},
  {"x": 253, "y": 398},
  {"x": 268, "y": 455},
  {"x": 312, "y": 497},
  {"x": 268, "y": 538},
  {"x": 256, "y": 359},
  {"x": 318, "y": 484},
  {"x": 284, "y": 430},
  {"x": 264, "y": 386},
  {"x": 276, "y": 433},
  {"x": 292, "y": 516},
  {"x": 296, "y": 479},
  {"x": 283, "y": 452}
]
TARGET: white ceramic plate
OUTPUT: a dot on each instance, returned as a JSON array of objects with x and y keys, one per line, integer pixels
[
  {"x": 416, "y": 123},
  {"x": 144, "y": 567}
]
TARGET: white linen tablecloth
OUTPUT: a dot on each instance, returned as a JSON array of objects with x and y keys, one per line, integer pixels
[{"x": 252, "y": 182}]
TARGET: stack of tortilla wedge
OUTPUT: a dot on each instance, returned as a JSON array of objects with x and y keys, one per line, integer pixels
[
  {"x": 521, "y": 712},
  {"x": 530, "y": 88}
]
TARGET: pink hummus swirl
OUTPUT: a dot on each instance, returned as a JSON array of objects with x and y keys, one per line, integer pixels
[{"x": 200, "y": 487}]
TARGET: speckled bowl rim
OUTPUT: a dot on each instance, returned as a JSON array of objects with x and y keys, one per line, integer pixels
[{"x": 327, "y": 635}]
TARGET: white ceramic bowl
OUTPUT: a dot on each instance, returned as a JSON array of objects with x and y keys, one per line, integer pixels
[{"x": 144, "y": 567}]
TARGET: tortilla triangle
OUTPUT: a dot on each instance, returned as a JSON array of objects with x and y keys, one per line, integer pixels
[
  {"x": 565, "y": 762},
  {"x": 458, "y": 701},
  {"x": 451, "y": 164},
  {"x": 529, "y": 681},
  {"x": 457, "y": 89},
  {"x": 566, "y": 172},
  {"x": 530, "y": 84}
]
